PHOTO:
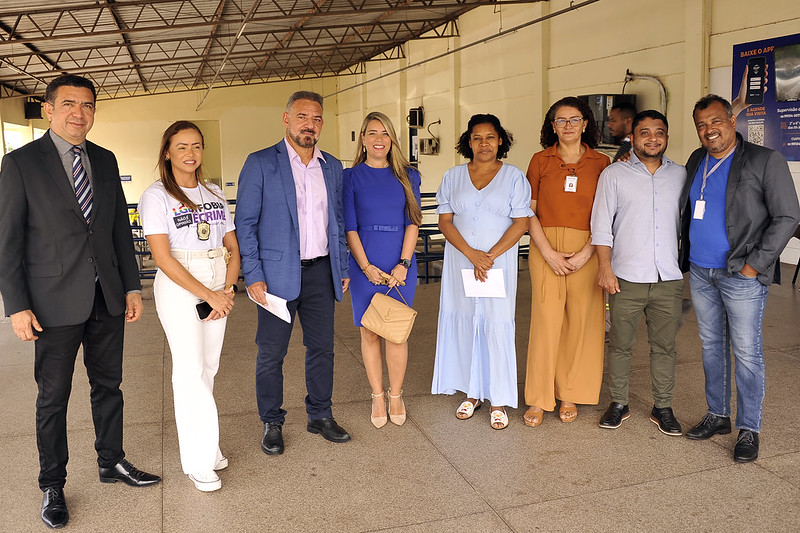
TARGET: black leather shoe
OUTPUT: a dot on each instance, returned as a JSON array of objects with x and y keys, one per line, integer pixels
[
  {"x": 746, "y": 448},
  {"x": 54, "y": 508},
  {"x": 709, "y": 426},
  {"x": 614, "y": 415},
  {"x": 664, "y": 418},
  {"x": 272, "y": 443},
  {"x": 127, "y": 473},
  {"x": 328, "y": 428}
]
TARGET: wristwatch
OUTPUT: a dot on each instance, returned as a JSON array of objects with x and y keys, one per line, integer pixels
[{"x": 406, "y": 263}]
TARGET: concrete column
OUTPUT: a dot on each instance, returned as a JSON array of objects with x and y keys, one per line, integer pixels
[{"x": 696, "y": 71}]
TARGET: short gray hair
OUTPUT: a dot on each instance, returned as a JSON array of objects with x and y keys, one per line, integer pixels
[{"x": 304, "y": 95}]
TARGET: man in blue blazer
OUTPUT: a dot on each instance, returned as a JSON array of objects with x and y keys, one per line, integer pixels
[
  {"x": 290, "y": 226},
  {"x": 69, "y": 278}
]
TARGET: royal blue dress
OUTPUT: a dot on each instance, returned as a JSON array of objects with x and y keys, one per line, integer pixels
[
  {"x": 375, "y": 207},
  {"x": 475, "y": 349}
]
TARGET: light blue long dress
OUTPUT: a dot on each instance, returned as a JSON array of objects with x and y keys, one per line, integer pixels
[{"x": 475, "y": 348}]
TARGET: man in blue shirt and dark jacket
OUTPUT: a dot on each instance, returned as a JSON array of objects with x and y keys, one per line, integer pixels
[{"x": 739, "y": 209}]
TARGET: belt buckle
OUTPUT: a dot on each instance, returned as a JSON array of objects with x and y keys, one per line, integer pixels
[{"x": 212, "y": 254}]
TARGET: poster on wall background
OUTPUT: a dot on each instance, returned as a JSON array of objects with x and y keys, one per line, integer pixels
[{"x": 766, "y": 93}]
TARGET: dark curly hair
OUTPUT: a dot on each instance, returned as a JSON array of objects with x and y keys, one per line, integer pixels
[
  {"x": 591, "y": 136},
  {"x": 506, "y": 138}
]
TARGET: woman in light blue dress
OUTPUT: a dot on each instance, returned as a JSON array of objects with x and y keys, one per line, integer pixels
[{"x": 483, "y": 211}]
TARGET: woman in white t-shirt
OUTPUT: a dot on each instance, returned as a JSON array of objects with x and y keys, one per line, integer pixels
[{"x": 192, "y": 239}]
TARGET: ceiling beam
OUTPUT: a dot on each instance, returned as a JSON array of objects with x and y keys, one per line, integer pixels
[
  {"x": 121, "y": 27},
  {"x": 213, "y": 35}
]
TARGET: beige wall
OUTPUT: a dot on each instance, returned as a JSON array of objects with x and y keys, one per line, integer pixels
[
  {"x": 686, "y": 44},
  {"x": 249, "y": 119}
]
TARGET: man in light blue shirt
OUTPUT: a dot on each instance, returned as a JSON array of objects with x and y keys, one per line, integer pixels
[{"x": 635, "y": 227}]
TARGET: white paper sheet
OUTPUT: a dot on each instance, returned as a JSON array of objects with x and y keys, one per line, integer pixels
[
  {"x": 275, "y": 305},
  {"x": 493, "y": 287}
]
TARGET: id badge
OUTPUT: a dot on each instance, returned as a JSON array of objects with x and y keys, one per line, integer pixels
[
  {"x": 699, "y": 209},
  {"x": 571, "y": 184}
]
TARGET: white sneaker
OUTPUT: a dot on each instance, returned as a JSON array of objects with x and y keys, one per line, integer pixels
[
  {"x": 206, "y": 481},
  {"x": 222, "y": 463}
]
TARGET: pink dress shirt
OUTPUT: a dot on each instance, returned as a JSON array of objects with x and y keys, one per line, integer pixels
[{"x": 312, "y": 203}]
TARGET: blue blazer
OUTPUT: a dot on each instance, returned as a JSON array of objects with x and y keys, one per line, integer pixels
[{"x": 267, "y": 226}]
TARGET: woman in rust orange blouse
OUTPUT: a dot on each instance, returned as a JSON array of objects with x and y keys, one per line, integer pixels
[{"x": 565, "y": 349}]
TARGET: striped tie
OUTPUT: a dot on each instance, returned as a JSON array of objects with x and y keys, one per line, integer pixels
[{"x": 83, "y": 190}]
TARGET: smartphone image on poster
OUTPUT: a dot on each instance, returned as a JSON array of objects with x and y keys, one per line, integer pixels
[{"x": 755, "y": 80}]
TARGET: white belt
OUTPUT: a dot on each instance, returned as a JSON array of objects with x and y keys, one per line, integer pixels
[{"x": 186, "y": 255}]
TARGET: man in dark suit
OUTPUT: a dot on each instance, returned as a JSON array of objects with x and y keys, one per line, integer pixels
[
  {"x": 68, "y": 277},
  {"x": 290, "y": 225},
  {"x": 739, "y": 209}
]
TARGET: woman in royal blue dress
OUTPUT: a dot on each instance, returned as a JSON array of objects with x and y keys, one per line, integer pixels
[
  {"x": 483, "y": 211},
  {"x": 382, "y": 216}
]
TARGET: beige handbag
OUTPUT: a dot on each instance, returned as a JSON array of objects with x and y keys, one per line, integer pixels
[{"x": 389, "y": 318}]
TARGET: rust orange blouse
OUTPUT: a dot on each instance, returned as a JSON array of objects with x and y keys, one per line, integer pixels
[{"x": 547, "y": 173}]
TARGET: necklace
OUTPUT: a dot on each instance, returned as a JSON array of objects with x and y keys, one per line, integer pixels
[{"x": 203, "y": 227}]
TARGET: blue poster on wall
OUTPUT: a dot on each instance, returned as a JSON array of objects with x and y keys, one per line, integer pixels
[{"x": 766, "y": 85}]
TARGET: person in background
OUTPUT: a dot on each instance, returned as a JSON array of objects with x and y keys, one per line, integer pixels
[
  {"x": 191, "y": 236},
  {"x": 382, "y": 217},
  {"x": 483, "y": 211},
  {"x": 565, "y": 347},
  {"x": 620, "y": 125}
]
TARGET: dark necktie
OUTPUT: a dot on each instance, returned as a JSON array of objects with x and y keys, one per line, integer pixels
[{"x": 83, "y": 190}]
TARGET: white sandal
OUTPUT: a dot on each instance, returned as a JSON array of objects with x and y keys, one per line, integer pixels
[
  {"x": 467, "y": 408},
  {"x": 499, "y": 416}
]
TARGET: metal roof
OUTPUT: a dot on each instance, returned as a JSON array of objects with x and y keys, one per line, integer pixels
[{"x": 137, "y": 47}]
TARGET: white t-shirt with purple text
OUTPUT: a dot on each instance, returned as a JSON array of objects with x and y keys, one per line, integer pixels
[{"x": 162, "y": 214}]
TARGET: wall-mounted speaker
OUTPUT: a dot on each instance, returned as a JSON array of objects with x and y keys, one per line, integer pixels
[
  {"x": 416, "y": 117},
  {"x": 33, "y": 109}
]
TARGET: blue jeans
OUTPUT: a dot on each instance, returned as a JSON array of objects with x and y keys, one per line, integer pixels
[{"x": 730, "y": 312}]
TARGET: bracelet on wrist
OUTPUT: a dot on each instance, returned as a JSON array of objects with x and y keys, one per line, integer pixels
[{"x": 364, "y": 270}]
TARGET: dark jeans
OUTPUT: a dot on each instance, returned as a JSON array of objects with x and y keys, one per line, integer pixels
[
  {"x": 314, "y": 306},
  {"x": 56, "y": 349}
]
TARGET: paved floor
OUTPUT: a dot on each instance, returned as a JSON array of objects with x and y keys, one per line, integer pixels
[{"x": 434, "y": 474}]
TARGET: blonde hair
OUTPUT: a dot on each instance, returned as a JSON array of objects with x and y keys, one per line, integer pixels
[{"x": 397, "y": 161}]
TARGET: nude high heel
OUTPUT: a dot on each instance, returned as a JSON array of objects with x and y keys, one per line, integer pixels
[
  {"x": 398, "y": 420},
  {"x": 378, "y": 421}
]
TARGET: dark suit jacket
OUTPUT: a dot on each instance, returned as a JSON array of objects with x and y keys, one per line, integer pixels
[
  {"x": 761, "y": 209},
  {"x": 267, "y": 226},
  {"x": 48, "y": 254}
]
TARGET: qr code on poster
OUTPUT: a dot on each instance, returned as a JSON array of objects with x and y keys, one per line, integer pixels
[{"x": 755, "y": 134}]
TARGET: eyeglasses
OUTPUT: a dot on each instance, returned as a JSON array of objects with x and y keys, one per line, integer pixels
[{"x": 574, "y": 122}]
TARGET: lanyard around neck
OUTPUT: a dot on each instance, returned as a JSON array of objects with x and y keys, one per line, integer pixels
[{"x": 706, "y": 172}]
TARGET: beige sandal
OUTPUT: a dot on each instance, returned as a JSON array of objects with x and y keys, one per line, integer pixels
[
  {"x": 499, "y": 416},
  {"x": 467, "y": 409},
  {"x": 397, "y": 420},
  {"x": 377, "y": 421}
]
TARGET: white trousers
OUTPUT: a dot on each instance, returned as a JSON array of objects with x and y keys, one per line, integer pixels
[{"x": 195, "y": 347}]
